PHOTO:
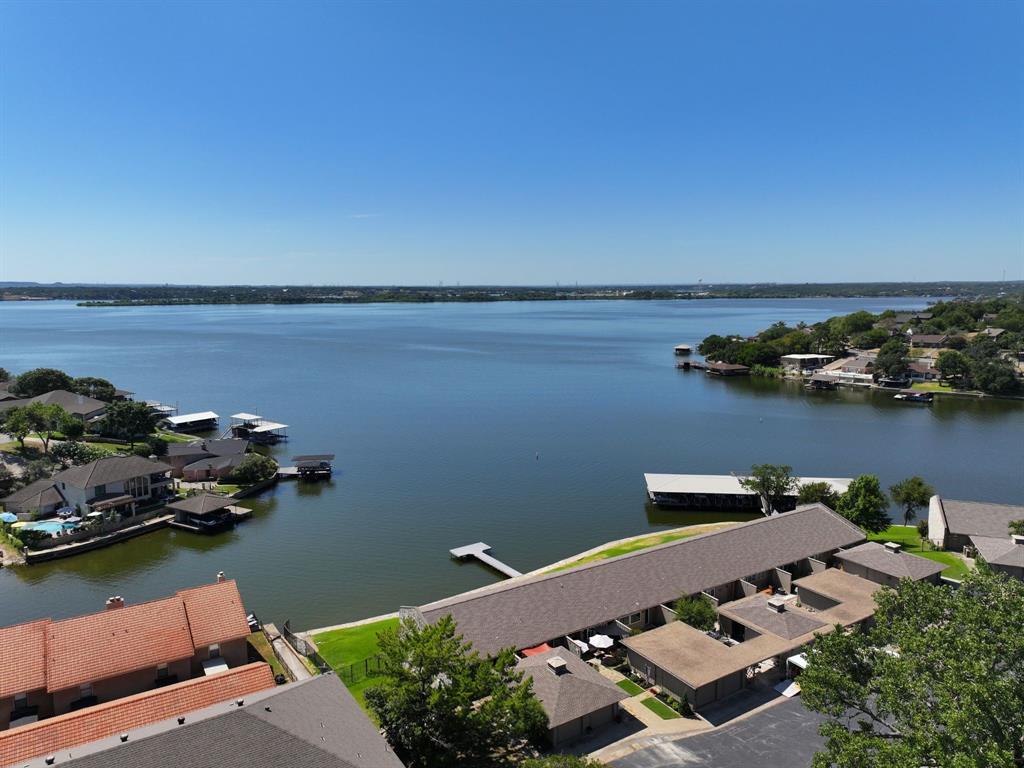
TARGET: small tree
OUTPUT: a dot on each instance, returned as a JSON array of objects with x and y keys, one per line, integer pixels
[
  {"x": 17, "y": 423},
  {"x": 698, "y": 612},
  {"x": 255, "y": 468},
  {"x": 1016, "y": 528},
  {"x": 891, "y": 360},
  {"x": 818, "y": 493},
  {"x": 911, "y": 494},
  {"x": 128, "y": 421},
  {"x": 864, "y": 504},
  {"x": 4, "y": 375},
  {"x": 772, "y": 482},
  {"x": 72, "y": 428},
  {"x": 561, "y": 761},
  {"x": 69, "y": 453},
  {"x": 39, "y": 381},
  {"x": 46, "y": 419},
  {"x": 922, "y": 529},
  {"x": 7, "y": 480},
  {"x": 442, "y": 706}
]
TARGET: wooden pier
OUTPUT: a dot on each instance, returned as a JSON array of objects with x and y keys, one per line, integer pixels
[{"x": 479, "y": 551}]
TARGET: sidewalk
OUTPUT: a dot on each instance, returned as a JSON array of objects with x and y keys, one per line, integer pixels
[{"x": 287, "y": 655}]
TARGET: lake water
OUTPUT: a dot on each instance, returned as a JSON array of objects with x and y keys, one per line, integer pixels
[{"x": 524, "y": 425}]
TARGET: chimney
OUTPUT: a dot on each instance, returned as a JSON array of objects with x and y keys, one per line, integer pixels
[
  {"x": 776, "y": 604},
  {"x": 221, "y": 577},
  {"x": 557, "y": 665},
  {"x": 114, "y": 602},
  {"x": 893, "y": 547}
]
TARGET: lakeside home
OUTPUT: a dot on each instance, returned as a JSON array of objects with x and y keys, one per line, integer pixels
[
  {"x": 978, "y": 527},
  {"x": 205, "y": 459}
]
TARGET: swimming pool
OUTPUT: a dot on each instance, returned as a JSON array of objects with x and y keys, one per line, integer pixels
[{"x": 50, "y": 526}]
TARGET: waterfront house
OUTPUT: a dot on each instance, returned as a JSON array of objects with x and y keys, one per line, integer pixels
[
  {"x": 181, "y": 455},
  {"x": 858, "y": 370},
  {"x": 920, "y": 371},
  {"x": 928, "y": 340},
  {"x": 1005, "y": 554},
  {"x": 992, "y": 333},
  {"x": 633, "y": 591},
  {"x": 114, "y": 484},
  {"x": 804, "y": 363},
  {"x": 80, "y": 406},
  {"x": 886, "y": 564},
  {"x": 64, "y": 666},
  {"x": 575, "y": 697},
  {"x": 313, "y": 723}
]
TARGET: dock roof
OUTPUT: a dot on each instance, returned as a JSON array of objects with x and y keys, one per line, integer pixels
[
  {"x": 724, "y": 484},
  {"x": 202, "y": 503},
  {"x": 191, "y": 418},
  {"x": 531, "y": 610}
]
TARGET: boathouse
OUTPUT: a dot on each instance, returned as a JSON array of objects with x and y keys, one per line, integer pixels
[
  {"x": 253, "y": 427},
  {"x": 316, "y": 466},
  {"x": 683, "y": 349},
  {"x": 727, "y": 369},
  {"x": 203, "y": 421},
  {"x": 709, "y": 492},
  {"x": 203, "y": 513}
]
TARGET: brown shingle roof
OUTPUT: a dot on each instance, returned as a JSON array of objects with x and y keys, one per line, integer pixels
[
  {"x": 109, "y": 469},
  {"x": 74, "y": 728},
  {"x": 23, "y": 658},
  {"x": 900, "y": 565},
  {"x": 578, "y": 691},
  {"x": 34, "y": 496},
  {"x": 1004, "y": 551},
  {"x": 78, "y": 405},
  {"x": 202, "y": 503},
  {"x": 114, "y": 642},
  {"x": 215, "y": 613},
  {"x": 788, "y": 624},
  {"x": 532, "y": 610}
]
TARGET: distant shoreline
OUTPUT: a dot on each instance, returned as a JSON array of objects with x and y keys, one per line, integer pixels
[{"x": 98, "y": 296}]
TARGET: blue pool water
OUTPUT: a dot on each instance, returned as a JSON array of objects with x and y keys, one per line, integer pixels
[{"x": 51, "y": 526}]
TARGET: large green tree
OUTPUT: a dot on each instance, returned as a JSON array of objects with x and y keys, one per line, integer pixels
[
  {"x": 892, "y": 359},
  {"x": 954, "y": 366},
  {"x": 864, "y": 504},
  {"x": 698, "y": 612},
  {"x": 255, "y": 468},
  {"x": 441, "y": 705},
  {"x": 820, "y": 492},
  {"x": 17, "y": 423},
  {"x": 46, "y": 419},
  {"x": 128, "y": 420},
  {"x": 911, "y": 494},
  {"x": 39, "y": 381},
  {"x": 772, "y": 482},
  {"x": 936, "y": 681},
  {"x": 91, "y": 386}
]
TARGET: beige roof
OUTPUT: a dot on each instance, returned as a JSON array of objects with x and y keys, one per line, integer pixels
[
  {"x": 789, "y": 624},
  {"x": 854, "y": 595},
  {"x": 900, "y": 565},
  {"x": 578, "y": 691}
]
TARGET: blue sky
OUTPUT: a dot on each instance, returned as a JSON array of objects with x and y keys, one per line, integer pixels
[{"x": 529, "y": 143}]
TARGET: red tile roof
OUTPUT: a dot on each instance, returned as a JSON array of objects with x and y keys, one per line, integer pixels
[
  {"x": 23, "y": 658},
  {"x": 215, "y": 613},
  {"x": 75, "y": 728},
  {"x": 114, "y": 642}
]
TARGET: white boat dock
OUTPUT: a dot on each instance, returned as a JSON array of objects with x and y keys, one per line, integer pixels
[{"x": 479, "y": 551}]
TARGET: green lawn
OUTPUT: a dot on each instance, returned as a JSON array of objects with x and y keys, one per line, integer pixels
[
  {"x": 630, "y": 687},
  {"x": 908, "y": 537},
  {"x": 227, "y": 488},
  {"x": 262, "y": 647},
  {"x": 630, "y": 546},
  {"x": 341, "y": 647},
  {"x": 660, "y": 708}
]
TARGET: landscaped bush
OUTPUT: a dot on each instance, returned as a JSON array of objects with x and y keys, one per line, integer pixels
[
  {"x": 698, "y": 612},
  {"x": 255, "y": 468}
]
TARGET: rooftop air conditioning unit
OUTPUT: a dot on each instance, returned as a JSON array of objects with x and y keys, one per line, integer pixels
[{"x": 557, "y": 665}]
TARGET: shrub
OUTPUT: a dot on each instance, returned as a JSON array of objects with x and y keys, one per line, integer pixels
[
  {"x": 698, "y": 612},
  {"x": 255, "y": 468}
]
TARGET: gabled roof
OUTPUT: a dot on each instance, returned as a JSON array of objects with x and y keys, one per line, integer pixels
[
  {"x": 202, "y": 503},
  {"x": 899, "y": 565},
  {"x": 34, "y": 496},
  {"x": 64, "y": 732},
  {"x": 217, "y": 462},
  {"x": 979, "y": 518},
  {"x": 109, "y": 469},
  {"x": 578, "y": 691},
  {"x": 79, "y": 405},
  {"x": 215, "y": 613},
  {"x": 531, "y": 610},
  {"x": 312, "y": 724},
  {"x": 1004, "y": 551},
  {"x": 113, "y": 642},
  {"x": 23, "y": 658}
]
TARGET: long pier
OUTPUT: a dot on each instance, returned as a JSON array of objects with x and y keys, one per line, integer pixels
[{"x": 479, "y": 551}]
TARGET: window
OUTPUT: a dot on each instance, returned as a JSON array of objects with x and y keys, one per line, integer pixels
[
  {"x": 215, "y": 651},
  {"x": 634, "y": 618},
  {"x": 85, "y": 690},
  {"x": 161, "y": 672},
  {"x": 20, "y": 701}
]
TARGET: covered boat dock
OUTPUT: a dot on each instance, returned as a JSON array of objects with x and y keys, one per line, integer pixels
[
  {"x": 253, "y": 427},
  {"x": 719, "y": 491},
  {"x": 203, "y": 421}
]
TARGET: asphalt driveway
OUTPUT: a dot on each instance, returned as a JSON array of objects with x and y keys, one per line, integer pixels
[{"x": 781, "y": 736}]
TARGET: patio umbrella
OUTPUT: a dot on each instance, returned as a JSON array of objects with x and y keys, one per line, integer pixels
[
  {"x": 8, "y": 517},
  {"x": 601, "y": 641}
]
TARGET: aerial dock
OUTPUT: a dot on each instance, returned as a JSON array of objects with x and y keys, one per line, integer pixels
[
  {"x": 712, "y": 492},
  {"x": 479, "y": 551}
]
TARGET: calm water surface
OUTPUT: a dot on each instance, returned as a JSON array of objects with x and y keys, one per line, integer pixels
[{"x": 524, "y": 425}]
